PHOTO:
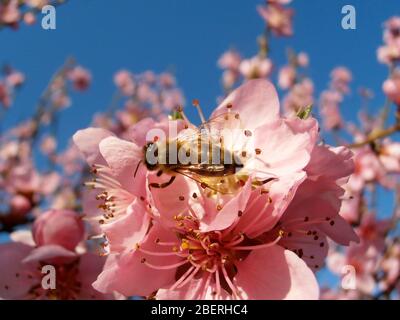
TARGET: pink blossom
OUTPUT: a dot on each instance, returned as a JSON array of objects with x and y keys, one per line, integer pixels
[
  {"x": 29, "y": 18},
  {"x": 391, "y": 87},
  {"x": 302, "y": 59},
  {"x": 48, "y": 145},
  {"x": 15, "y": 78},
  {"x": 329, "y": 104},
  {"x": 229, "y": 78},
  {"x": 287, "y": 77},
  {"x": 5, "y": 98},
  {"x": 9, "y": 12},
  {"x": 388, "y": 54},
  {"x": 367, "y": 169},
  {"x": 372, "y": 230},
  {"x": 230, "y": 60},
  {"x": 124, "y": 81},
  {"x": 300, "y": 96},
  {"x": 21, "y": 276},
  {"x": 167, "y": 80},
  {"x": 80, "y": 78},
  {"x": 364, "y": 260},
  {"x": 256, "y": 67},
  {"x": 278, "y": 18},
  {"x": 340, "y": 79},
  {"x": 192, "y": 249},
  {"x": 20, "y": 205}
]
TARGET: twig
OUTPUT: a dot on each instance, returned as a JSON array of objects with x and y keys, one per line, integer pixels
[{"x": 376, "y": 135}]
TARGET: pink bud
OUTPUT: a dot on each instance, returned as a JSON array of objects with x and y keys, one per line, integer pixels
[
  {"x": 20, "y": 205},
  {"x": 60, "y": 227}
]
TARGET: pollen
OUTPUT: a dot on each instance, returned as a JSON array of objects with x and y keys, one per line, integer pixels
[
  {"x": 247, "y": 133},
  {"x": 257, "y": 151},
  {"x": 185, "y": 244}
]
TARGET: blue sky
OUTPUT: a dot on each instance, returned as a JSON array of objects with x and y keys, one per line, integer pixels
[{"x": 187, "y": 37}]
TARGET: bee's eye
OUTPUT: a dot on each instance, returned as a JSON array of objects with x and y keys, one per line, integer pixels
[{"x": 151, "y": 155}]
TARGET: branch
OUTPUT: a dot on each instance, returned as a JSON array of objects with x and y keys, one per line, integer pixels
[{"x": 376, "y": 135}]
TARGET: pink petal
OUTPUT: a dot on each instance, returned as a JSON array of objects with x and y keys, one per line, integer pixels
[
  {"x": 219, "y": 220},
  {"x": 256, "y": 101},
  {"x": 276, "y": 273},
  {"x": 123, "y": 157},
  {"x": 90, "y": 265},
  {"x": 123, "y": 233},
  {"x": 281, "y": 193},
  {"x": 127, "y": 275},
  {"x": 282, "y": 149},
  {"x": 331, "y": 163},
  {"x": 51, "y": 254},
  {"x": 16, "y": 278},
  {"x": 88, "y": 140},
  {"x": 196, "y": 289},
  {"x": 172, "y": 200}
]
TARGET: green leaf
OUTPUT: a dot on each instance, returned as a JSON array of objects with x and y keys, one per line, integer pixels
[
  {"x": 175, "y": 115},
  {"x": 305, "y": 112}
]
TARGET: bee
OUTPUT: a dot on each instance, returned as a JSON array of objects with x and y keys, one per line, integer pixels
[{"x": 205, "y": 154}]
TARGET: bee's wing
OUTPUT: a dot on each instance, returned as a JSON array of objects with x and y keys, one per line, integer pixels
[
  {"x": 213, "y": 128},
  {"x": 224, "y": 131},
  {"x": 223, "y": 184}
]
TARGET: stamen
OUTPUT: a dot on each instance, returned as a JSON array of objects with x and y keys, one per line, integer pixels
[
  {"x": 199, "y": 110},
  {"x": 261, "y": 246},
  {"x": 171, "y": 266},
  {"x": 183, "y": 277},
  {"x": 151, "y": 253},
  {"x": 229, "y": 282}
]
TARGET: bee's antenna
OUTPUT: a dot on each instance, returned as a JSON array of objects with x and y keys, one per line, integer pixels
[
  {"x": 196, "y": 103},
  {"x": 180, "y": 110},
  {"x": 137, "y": 167}
]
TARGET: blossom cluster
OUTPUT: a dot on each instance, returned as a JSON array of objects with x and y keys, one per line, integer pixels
[{"x": 13, "y": 12}]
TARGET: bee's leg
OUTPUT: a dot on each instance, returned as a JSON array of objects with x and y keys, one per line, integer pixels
[
  {"x": 267, "y": 180},
  {"x": 162, "y": 185},
  {"x": 159, "y": 173}
]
